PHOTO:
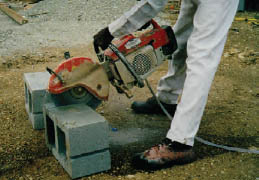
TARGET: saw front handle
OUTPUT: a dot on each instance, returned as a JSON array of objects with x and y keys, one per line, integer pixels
[
  {"x": 99, "y": 53},
  {"x": 123, "y": 59}
]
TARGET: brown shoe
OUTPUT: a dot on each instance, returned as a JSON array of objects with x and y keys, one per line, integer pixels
[{"x": 164, "y": 155}]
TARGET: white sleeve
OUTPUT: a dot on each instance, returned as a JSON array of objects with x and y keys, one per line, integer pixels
[{"x": 136, "y": 17}]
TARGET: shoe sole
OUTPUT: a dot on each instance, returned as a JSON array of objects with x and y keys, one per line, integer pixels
[{"x": 143, "y": 165}]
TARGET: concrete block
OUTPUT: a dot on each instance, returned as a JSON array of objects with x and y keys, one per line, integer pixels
[
  {"x": 85, "y": 165},
  {"x": 35, "y": 85},
  {"x": 82, "y": 129},
  {"x": 78, "y": 138},
  {"x": 37, "y": 120}
]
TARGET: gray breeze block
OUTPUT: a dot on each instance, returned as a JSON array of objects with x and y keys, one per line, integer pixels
[
  {"x": 78, "y": 138},
  {"x": 35, "y": 85},
  {"x": 85, "y": 165},
  {"x": 78, "y": 129},
  {"x": 37, "y": 120}
]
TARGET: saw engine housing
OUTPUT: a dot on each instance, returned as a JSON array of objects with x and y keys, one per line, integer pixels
[{"x": 143, "y": 52}]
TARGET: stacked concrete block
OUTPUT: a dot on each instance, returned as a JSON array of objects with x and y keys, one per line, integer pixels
[
  {"x": 78, "y": 138},
  {"x": 35, "y": 85}
]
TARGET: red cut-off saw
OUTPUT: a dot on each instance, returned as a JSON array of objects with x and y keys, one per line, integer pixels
[{"x": 126, "y": 63}]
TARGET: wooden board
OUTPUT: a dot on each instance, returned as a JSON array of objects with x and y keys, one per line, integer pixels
[{"x": 12, "y": 14}]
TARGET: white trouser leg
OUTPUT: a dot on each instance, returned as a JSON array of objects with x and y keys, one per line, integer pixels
[
  {"x": 205, "y": 45},
  {"x": 170, "y": 86}
]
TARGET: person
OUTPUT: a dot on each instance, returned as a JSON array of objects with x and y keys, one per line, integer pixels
[{"x": 201, "y": 32}]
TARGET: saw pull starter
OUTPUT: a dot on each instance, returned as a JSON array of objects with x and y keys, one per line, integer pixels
[{"x": 125, "y": 64}]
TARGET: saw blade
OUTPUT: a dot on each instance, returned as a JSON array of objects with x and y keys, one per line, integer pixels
[{"x": 76, "y": 95}]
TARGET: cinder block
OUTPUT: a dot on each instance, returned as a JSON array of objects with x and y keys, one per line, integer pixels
[
  {"x": 85, "y": 165},
  {"x": 37, "y": 120},
  {"x": 82, "y": 129},
  {"x": 35, "y": 85},
  {"x": 78, "y": 138}
]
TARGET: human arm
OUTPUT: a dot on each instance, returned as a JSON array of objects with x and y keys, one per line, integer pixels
[
  {"x": 136, "y": 17},
  {"x": 129, "y": 22}
]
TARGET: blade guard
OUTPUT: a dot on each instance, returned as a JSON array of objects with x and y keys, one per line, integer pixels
[{"x": 80, "y": 71}]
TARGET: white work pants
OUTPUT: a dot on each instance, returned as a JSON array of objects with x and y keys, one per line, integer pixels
[{"x": 201, "y": 32}]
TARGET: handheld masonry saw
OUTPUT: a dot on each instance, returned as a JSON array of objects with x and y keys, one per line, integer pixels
[{"x": 125, "y": 64}]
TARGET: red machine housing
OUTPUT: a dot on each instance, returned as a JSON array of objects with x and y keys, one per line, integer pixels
[{"x": 157, "y": 37}]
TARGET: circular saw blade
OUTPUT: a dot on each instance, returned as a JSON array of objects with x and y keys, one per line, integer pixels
[{"x": 76, "y": 95}]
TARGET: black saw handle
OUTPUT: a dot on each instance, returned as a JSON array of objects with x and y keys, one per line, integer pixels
[
  {"x": 99, "y": 52},
  {"x": 123, "y": 59}
]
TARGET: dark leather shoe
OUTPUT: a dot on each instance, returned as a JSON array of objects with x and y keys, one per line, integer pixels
[
  {"x": 164, "y": 155},
  {"x": 152, "y": 107}
]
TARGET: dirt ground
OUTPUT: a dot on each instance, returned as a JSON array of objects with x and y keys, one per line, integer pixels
[{"x": 231, "y": 118}]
